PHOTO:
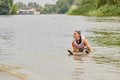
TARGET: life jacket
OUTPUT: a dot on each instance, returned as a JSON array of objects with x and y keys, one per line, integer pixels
[{"x": 81, "y": 45}]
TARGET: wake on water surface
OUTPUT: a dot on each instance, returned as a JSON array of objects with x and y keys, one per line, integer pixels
[{"x": 18, "y": 72}]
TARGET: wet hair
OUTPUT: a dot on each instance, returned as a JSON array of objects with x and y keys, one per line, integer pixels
[{"x": 79, "y": 32}]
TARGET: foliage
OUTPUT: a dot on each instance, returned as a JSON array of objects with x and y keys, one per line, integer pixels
[
  {"x": 20, "y": 5},
  {"x": 48, "y": 9},
  {"x": 14, "y": 9},
  {"x": 97, "y": 8},
  {"x": 61, "y": 7},
  {"x": 34, "y": 5},
  {"x": 83, "y": 10},
  {"x": 6, "y": 6},
  {"x": 109, "y": 10},
  {"x": 82, "y": 7}
]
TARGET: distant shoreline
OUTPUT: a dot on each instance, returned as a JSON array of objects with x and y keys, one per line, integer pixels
[{"x": 63, "y": 14}]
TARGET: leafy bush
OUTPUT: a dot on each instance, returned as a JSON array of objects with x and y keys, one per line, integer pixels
[
  {"x": 109, "y": 10},
  {"x": 82, "y": 10},
  {"x": 97, "y": 8},
  {"x": 5, "y": 6}
]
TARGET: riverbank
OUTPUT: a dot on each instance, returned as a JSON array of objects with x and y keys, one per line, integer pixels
[
  {"x": 104, "y": 10},
  {"x": 7, "y": 77}
]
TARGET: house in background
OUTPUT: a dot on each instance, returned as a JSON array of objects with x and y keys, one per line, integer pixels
[{"x": 29, "y": 11}]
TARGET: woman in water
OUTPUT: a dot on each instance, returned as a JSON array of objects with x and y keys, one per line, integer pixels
[{"x": 80, "y": 44}]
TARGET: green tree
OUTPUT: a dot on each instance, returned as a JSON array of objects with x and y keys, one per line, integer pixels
[
  {"x": 77, "y": 2},
  {"x": 110, "y": 2},
  {"x": 14, "y": 9},
  {"x": 34, "y": 5},
  {"x": 6, "y": 6},
  {"x": 48, "y": 9},
  {"x": 61, "y": 7},
  {"x": 20, "y": 5}
]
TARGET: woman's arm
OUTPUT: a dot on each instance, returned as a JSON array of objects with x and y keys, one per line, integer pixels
[
  {"x": 87, "y": 45},
  {"x": 74, "y": 47}
]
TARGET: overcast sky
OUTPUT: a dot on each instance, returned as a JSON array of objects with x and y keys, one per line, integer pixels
[{"x": 41, "y": 2}]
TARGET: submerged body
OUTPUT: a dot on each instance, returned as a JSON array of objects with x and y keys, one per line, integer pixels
[{"x": 80, "y": 55}]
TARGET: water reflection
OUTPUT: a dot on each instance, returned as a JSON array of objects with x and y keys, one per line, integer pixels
[
  {"x": 92, "y": 71},
  {"x": 82, "y": 58},
  {"x": 77, "y": 73}
]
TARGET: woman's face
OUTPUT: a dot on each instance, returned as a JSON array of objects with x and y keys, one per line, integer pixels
[{"x": 76, "y": 36}]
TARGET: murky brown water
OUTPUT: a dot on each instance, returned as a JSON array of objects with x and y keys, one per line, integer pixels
[{"x": 35, "y": 47}]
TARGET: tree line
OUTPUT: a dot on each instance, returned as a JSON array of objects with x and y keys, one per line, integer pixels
[
  {"x": 80, "y": 7},
  {"x": 61, "y": 6}
]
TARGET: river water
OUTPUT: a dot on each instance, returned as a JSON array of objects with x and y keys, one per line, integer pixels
[{"x": 34, "y": 47}]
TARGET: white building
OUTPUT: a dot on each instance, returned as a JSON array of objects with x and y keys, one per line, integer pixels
[{"x": 29, "y": 11}]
